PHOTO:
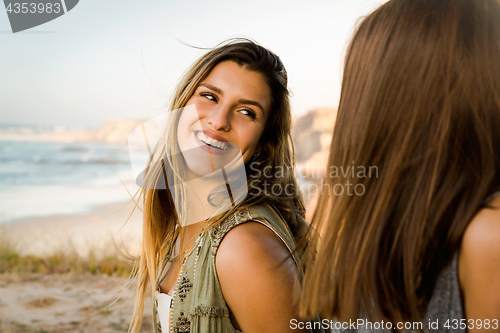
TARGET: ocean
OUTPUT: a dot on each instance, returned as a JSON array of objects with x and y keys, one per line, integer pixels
[{"x": 48, "y": 178}]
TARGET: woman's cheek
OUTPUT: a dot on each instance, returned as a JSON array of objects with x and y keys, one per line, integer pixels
[{"x": 200, "y": 111}]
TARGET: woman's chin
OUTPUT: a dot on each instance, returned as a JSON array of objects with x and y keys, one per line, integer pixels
[{"x": 198, "y": 170}]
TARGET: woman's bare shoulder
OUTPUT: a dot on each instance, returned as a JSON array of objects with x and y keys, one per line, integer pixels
[
  {"x": 482, "y": 236},
  {"x": 257, "y": 278},
  {"x": 479, "y": 264},
  {"x": 251, "y": 240}
]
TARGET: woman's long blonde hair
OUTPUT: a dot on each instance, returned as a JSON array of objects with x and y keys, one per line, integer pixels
[
  {"x": 420, "y": 101},
  {"x": 160, "y": 224}
]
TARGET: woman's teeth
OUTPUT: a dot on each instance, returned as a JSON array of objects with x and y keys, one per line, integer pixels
[{"x": 212, "y": 142}]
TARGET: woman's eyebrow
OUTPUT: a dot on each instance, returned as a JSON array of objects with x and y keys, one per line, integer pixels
[
  {"x": 247, "y": 101},
  {"x": 211, "y": 87}
]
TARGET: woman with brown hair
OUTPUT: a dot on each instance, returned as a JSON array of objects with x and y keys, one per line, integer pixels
[
  {"x": 418, "y": 246},
  {"x": 216, "y": 245}
]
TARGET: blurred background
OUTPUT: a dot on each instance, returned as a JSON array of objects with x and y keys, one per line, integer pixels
[{"x": 72, "y": 89}]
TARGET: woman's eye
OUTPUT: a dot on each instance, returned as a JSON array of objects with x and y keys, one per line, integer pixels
[
  {"x": 249, "y": 113},
  {"x": 209, "y": 96}
]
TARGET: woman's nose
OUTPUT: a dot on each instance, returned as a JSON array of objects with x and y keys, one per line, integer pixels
[{"x": 220, "y": 118}]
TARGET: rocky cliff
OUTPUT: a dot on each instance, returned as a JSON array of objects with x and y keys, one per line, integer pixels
[
  {"x": 312, "y": 134},
  {"x": 116, "y": 131}
]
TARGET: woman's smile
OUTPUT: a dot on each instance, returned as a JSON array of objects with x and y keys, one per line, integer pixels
[{"x": 213, "y": 140}]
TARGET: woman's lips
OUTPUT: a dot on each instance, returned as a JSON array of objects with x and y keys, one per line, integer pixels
[
  {"x": 210, "y": 149},
  {"x": 213, "y": 135}
]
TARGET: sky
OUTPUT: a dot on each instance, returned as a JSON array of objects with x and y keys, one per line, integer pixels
[{"x": 122, "y": 59}]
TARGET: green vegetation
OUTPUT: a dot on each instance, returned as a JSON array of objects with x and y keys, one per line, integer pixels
[
  {"x": 121, "y": 326},
  {"x": 59, "y": 262}
]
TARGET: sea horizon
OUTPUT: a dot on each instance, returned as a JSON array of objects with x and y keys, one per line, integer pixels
[{"x": 43, "y": 178}]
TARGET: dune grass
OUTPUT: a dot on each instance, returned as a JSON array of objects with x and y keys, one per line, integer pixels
[{"x": 62, "y": 261}]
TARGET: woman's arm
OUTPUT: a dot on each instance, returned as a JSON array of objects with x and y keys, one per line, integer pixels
[
  {"x": 479, "y": 270},
  {"x": 257, "y": 289}
]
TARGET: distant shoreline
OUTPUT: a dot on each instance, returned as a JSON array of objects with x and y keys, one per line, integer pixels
[
  {"x": 47, "y": 137},
  {"x": 113, "y": 131}
]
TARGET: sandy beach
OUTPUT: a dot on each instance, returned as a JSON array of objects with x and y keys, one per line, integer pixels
[
  {"x": 93, "y": 231},
  {"x": 65, "y": 303},
  {"x": 71, "y": 302}
]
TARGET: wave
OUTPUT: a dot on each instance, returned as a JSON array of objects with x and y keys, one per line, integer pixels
[
  {"x": 96, "y": 161},
  {"x": 75, "y": 148}
]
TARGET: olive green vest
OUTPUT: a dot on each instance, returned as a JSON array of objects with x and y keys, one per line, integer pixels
[{"x": 197, "y": 301}]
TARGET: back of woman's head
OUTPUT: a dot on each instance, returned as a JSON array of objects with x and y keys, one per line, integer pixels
[{"x": 420, "y": 102}]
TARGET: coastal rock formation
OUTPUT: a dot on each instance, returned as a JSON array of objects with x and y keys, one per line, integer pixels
[
  {"x": 117, "y": 130},
  {"x": 312, "y": 134},
  {"x": 114, "y": 131}
]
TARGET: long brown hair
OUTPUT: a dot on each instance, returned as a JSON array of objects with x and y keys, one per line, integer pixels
[
  {"x": 161, "y": 223},
  {"x": 420, "y": 101}
]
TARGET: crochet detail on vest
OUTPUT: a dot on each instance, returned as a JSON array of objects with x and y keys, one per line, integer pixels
[
  {"x": 184, "y": 288},
  {"x": 182, "y": 325},
  {"x": 209, "y": 311},
  {"x": 219, "y": 231},
  {"x": 156, "y": 318}
]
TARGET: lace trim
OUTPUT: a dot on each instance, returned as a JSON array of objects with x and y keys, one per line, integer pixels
[
  {"x": 209, "y": 311},
  {"x": 218, "y": 232},
  {"x": 182, "y": 325},
  {"x": 156, "y": 318}
]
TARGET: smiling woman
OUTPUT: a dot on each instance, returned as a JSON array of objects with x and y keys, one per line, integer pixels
[
  {"x": 229, "y": 107},
  {"x": 216, "y": 257}
]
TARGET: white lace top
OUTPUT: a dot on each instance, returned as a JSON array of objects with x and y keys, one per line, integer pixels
[{"x": 164, "y": 302}]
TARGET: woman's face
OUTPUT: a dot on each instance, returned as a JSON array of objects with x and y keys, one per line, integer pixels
[{"x": 226, "y": 115}]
